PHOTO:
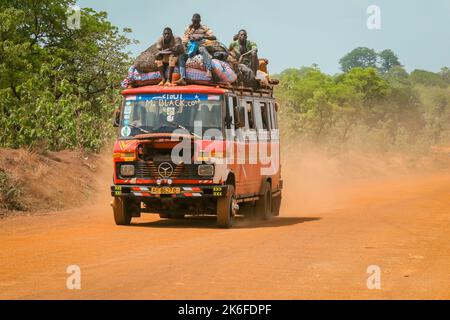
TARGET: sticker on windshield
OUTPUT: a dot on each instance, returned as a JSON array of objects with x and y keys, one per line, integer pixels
[
  {"x": 126, "y": 131},
  {"x": 213, "y": 98},
  {"x": 170, "y": 114},
  {"x": 127, "y": 110}
]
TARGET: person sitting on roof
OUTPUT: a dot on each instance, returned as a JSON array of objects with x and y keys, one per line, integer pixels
[
  {"x": 245, "y": 51},
  {"x": 170, "y": 47},
  {"x": 193, "y": 36}
]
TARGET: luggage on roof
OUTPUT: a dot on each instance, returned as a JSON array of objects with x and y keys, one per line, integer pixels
[{"x": 225, "y": 70}]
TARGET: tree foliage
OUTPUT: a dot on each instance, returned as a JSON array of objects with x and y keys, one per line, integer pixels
[
  {"x": 360, "y": 57},
  {"x": 388, "y": 60},
  {"x": 363, "y": 57},
  {"x": 58, "y": 87},
  {"x": 364, "y": 108},
  {"x": 429, "y": 78}
]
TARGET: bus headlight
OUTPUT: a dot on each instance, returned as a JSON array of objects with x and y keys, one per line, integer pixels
[
  {"x": 206, "y": 170},
  {"x": 127, "y": 170}
]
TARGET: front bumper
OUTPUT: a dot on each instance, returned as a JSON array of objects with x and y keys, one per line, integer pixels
[{"x": 185, "y": 192}]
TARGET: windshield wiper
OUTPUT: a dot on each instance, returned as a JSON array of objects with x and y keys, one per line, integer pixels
[
  {"x": 179, "y": 126},
  {"x": 143, "y": 130}
]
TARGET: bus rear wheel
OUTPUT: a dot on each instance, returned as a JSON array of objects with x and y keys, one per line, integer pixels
[
  {"x": 263, "y": 207},
  {"x": 276, "y": 205},
  {"x": 226, "y": 209}
]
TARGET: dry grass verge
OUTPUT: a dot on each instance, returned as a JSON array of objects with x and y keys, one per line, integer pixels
[{"x": 31, "y": 182}]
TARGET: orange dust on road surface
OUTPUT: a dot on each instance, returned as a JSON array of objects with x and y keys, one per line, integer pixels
[{"x": 329, "y": 232}]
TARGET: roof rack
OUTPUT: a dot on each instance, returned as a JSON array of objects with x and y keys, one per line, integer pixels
[
  {"x": 266, "y": 91},
  {"x": 262, "y": 92}
]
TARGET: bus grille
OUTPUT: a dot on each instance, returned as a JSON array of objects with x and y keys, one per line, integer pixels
[{"x": 149, "y": 170}]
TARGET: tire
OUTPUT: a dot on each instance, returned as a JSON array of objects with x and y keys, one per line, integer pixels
[
  {"x": 122, "y": 211},
  {"x": 226, "y": 209},
  {"x": 276, "y": 205},
  {"x": 263, "y": 207}
]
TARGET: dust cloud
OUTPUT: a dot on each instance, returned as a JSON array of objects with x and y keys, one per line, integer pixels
[{"x": 317, "y": 181}]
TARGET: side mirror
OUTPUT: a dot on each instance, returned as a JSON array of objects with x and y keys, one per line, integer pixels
[
  {"x": 240, "y": 117},
  {"x": 116, "y": 118}
]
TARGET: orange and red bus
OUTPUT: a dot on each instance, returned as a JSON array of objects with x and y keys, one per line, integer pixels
[{"x": 197, "y": 150}]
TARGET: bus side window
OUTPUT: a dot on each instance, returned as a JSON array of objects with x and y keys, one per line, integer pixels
[
  {"x": 231, "y": 106},
  {"x": 250, "y": 124},
  {"x": 265, "y": 116},
  {"x": 272, "y": 120},
  {"x": 274, "y": 116},
  {"x": 257, "y": 115}
]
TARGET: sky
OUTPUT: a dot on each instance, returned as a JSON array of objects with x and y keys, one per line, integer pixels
[{"x": 295, "y": 33}]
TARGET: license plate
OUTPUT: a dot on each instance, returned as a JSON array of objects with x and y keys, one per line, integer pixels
[{"x": 165, "y": 190}]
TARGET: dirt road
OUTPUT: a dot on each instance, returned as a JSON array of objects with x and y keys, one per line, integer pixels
[{"x": 328, "y": 235}]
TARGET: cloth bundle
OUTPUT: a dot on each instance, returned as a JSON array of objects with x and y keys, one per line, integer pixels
[
  {"x": 196, "y": 62},
  {"x": 223, "y": 71},
  {"x": 217, "y": 49},
  {"x": 138, "y": 79},
  {"x": 246, "y": 76},
  {"x": 145, "y": 62},
  {"x": 197, "y": 75},
  {"x": 263, "y": 78}
]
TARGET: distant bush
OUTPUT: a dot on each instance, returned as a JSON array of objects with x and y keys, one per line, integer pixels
[{"x": 428, "y": 78}]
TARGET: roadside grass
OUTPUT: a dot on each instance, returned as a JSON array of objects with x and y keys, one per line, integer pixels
[{"x": 9, "y": 193}]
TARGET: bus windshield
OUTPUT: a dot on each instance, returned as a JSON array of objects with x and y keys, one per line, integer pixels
[{"x": 165, "y": 113}]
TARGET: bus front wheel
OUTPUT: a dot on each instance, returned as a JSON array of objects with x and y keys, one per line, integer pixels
[{"x": 122, "y": 211}]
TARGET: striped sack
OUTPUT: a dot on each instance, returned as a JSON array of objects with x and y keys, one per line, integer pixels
[
  {"x": 134, "y": 77},
  {"x": 197, "y": 75},
  {"x": 196, "y": 62},
  {"x": 223, "y": 71},
  {"x": 134, "y": 74}
]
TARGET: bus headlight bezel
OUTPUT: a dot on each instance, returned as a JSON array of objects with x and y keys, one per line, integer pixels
[
  {"x": 205, "y": 170},
  {"x": 127, "y": 170}
]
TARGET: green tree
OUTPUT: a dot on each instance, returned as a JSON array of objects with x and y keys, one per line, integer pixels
[
  {"x": 368, "y": 83},
  {"x": 388, "y": 59},
  {"x": 361, "y": 57},
  {"x": 58, "y": 87}
]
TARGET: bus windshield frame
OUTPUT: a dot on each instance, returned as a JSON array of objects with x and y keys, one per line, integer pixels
[{"x": 166, "y": 113}]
